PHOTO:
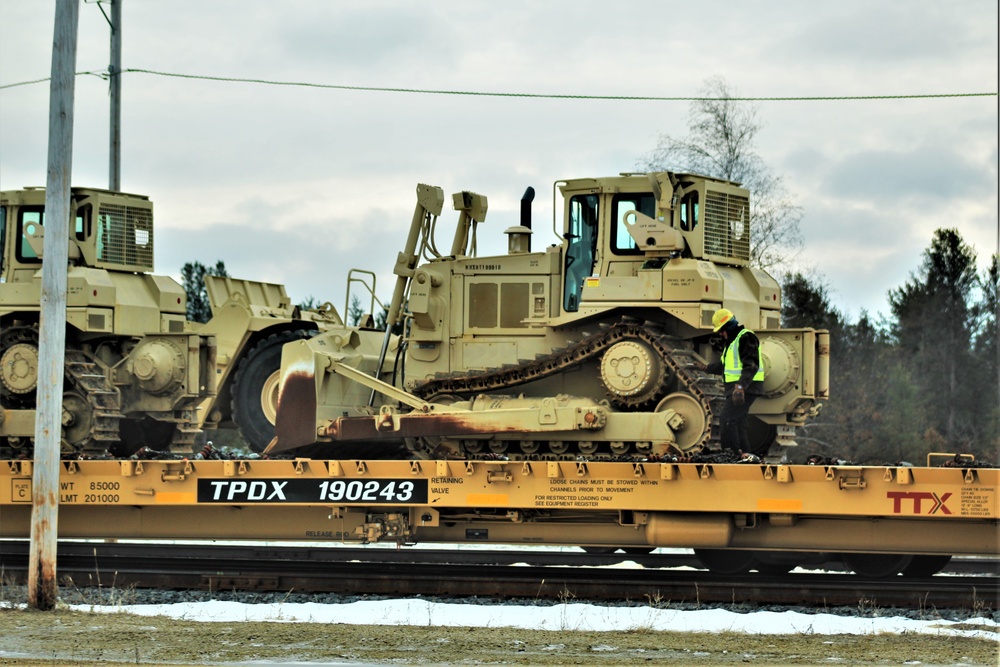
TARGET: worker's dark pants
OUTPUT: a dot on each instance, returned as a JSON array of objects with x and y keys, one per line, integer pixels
[{"x": 734, "y": 423}]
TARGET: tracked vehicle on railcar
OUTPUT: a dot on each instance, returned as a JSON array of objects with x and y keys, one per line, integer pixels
[{"x": 590, "y": 347}]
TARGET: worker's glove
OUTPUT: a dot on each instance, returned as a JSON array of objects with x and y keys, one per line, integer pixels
[
  {"x": 701, "y": 366},
  {"x": 739, "y": 397}
]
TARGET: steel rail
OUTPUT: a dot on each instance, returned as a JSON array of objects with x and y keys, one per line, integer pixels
[{"x": 454, "y": 573}]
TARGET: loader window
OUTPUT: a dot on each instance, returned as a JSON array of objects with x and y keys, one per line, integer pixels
[
  {"x": 622, "y": 242},
  {"x": 28, "y": 215},
  {"x": 581, "y": 246},
  {"x": 36, "y": 215}
]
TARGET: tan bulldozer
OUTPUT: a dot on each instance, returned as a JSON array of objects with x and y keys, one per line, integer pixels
[{"x": 588, "y": 348}]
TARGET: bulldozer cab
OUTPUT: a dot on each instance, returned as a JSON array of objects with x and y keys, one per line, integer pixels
[
  {"x": 613, "y": 227},
  {"x": 108, "y": 230}
]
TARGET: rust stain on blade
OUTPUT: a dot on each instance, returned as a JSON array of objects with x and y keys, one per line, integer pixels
[{"x": 295, "y": 421}]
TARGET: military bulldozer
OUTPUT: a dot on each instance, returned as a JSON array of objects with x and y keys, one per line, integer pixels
[
  {"x": 591, "y": 347},
  {"x": 137, "y": 372}
]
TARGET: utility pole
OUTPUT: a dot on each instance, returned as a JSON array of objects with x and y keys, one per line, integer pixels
[
  {"x": 115, "y": 75},
  {"x": 42, "y": 590}
]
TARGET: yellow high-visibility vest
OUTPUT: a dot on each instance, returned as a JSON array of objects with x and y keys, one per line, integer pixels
[{"x": 734, "y": 365}]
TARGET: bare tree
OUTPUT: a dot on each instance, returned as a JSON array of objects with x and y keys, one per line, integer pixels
[{"x": 721, "y": 143}]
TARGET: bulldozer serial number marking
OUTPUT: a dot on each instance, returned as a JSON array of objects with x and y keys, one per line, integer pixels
[{"x": 382, "y": 491}]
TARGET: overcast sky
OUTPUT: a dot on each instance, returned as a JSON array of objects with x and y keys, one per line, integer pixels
[{"x": 297, "y": 185}]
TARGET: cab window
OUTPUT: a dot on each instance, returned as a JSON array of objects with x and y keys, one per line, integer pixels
[
  {"x": 581, "y": 247},
  {"x": 3, "y": 238},
  {"x": 622, "y": 242},
  {"x": 27, "y": 215},
  {"x": 36, "y": 214},
  {"x": 689, "y": 211}
]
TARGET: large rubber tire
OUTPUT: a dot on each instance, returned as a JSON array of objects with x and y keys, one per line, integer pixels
[{"x": 256, "y": 374}]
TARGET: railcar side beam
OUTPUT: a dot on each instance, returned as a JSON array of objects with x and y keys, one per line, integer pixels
[{"x": 805, "y": 508}]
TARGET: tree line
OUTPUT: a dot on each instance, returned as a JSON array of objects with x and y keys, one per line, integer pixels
[{"x": 922, "y": 379}]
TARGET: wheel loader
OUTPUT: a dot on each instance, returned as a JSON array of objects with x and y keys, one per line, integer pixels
[
  {"x": 589, "y": 347},
  {"x": 137, "y": 372}
]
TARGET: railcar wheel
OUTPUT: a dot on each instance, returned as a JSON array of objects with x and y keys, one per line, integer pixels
[
  {"x": 776, "y": 562},
  {"x": 600, "y": 551},
  {"x": 774, "y": 569},
  {"x": 925, "y": 566},
  {"x": 877, "y": 566},
  {"x": 638, "y": 551},
  {"x": 255, "y": 388},
  {"x": 725, "y": 561}
]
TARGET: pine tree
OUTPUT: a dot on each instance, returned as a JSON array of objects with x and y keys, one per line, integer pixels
[
  {"x": 193, "y": 276},
  {"x": 933, "y": 324},
  {"x": 986, "y": 354}
]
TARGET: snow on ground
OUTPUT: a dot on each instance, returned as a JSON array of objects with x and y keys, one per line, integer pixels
[{"x": 559, "y": 617}]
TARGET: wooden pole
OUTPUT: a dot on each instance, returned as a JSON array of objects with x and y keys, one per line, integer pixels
[
  {"x": 42, "y": 589},
  {"x": 115, "y": 73}
]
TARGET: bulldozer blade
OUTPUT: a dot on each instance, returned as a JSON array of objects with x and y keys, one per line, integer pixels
[{"x": 295, "y": 421}]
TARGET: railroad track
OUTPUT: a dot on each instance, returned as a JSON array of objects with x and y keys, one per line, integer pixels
[{"x": 499, "y": 574}]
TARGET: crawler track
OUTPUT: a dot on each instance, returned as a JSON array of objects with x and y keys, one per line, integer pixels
[
  {"x": 539, "y": 574},
  {"x": 680, "y": 373}
]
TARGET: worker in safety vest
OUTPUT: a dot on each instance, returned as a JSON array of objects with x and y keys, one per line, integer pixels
[{"x": 743, "y": 371}]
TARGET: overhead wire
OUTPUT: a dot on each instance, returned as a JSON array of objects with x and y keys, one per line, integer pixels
[
  {"x": 482, "y": 93},
  {"x": 103, "y": 74}
]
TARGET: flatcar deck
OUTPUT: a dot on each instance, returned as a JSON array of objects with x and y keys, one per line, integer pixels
[{"x": 750, "y": 506}]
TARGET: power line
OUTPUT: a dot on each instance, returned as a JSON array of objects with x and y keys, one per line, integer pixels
[
  {"x": 549, "y": 96},
  {"x": 99, "y": 73}
]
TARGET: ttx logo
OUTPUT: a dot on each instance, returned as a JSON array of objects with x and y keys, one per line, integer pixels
[{"x": 916, "y": 499}]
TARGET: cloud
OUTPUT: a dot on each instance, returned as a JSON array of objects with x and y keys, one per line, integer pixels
[
  {"x": 881, "y": 34},
  {"x": 297, "y": 185},
  {"x": 358, "y": 39},
  {"x": 921, "y": 174}
]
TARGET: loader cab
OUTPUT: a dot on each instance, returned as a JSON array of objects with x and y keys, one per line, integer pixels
[{"x": 108, "y": 230}]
